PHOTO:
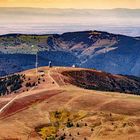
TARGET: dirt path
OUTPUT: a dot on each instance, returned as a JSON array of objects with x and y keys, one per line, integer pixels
[
  {"x": 49, "y": 74},
  {"x": 3, "y": 108},
  {"x": 11, "y": 101}
]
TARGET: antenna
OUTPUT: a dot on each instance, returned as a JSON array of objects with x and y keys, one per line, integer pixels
[
  {"x": 36, "y": 59},
  {"x": 36, "y": 62}
]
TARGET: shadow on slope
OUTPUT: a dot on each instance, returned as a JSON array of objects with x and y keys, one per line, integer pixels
[{"x": 97, "y": 80}]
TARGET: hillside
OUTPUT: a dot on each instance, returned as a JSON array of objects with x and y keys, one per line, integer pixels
[
  {"x": 112, "y": 53},
  {"x": 57, "y": 109},
  {"x": 97, "y": 80},
  {"x": 80, "y": 77}
]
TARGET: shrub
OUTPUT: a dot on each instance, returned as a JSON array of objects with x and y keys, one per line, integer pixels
[
  {"x": 70, "y": 135},
  {"x": 69, "y": 124},
  {"x": 62, "y": 138},
  {"x": 78, "y": 133},
  {"x": 77, "y": 125},
  {"x": 28, "y": 84}
]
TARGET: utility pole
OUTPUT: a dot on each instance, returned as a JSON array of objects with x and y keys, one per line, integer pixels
[
  {"x": 36, "y": 64},
  {"x": 36, "y": 60}
]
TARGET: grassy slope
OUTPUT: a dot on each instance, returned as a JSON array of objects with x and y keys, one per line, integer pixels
[{"x": 100, "y": 115}]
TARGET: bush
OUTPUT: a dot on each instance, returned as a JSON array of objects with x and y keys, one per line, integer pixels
[
  {"x": 62, "y": 138},
  {"x": 77, "y": 125},
  {"x": 69, "y": 124},
  {"x": 85, "y": 124},
  {"x": 33, "y": 84}
]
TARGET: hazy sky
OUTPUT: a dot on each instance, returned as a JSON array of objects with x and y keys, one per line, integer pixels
[{"x": 79, "y": 4}]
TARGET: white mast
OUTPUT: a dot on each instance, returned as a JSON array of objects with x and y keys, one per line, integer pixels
[{"x": 36, "y": 59}]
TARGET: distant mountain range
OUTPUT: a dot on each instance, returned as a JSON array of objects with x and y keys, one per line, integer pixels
[
  {"x": 112, "y": 53},
  {"x": 121, "y": 12},
  {"x": 42, "y": 21}
]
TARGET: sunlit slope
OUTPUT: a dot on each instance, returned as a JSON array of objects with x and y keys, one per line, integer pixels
[{"x": 57, "y": 108}]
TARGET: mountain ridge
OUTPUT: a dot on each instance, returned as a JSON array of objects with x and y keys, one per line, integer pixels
[{"x": 105, "y": 51}]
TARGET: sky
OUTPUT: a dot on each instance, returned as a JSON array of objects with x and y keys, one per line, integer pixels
[{"x": 77, "y": 4}]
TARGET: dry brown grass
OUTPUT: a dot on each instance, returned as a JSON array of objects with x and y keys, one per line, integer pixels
[{"x": 107, "y": 116}]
